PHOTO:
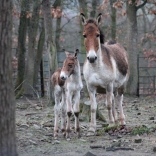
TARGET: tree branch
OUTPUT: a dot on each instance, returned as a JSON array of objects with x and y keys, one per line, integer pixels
[{"x": 141, "y": 5}]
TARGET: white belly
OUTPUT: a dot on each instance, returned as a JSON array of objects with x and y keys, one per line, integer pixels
[
  {"x": 102, "y": 75},
  {"x": 98, "y": 76}
]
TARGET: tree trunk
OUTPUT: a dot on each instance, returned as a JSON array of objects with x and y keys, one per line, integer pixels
[
  {"x": 32, "y": 33},
  {"x": 83, "y": 8},
  {"x": 21, "y": 49},
  {"x": 50, "y": 46},
  {"x": 39, "y": 53},
  {"x": 86, "y": 112},
  {"x": 58, "y": 3},
  {"x": 113, "y": 20},
  {"x": 7, "y": 101},
  {"x": 93, "y": 12},
  {"x": 132, "y": 47}
]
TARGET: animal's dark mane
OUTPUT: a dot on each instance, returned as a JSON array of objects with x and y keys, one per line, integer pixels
[
  {"x": 111, "y": 42},
  {"x": 102, "y": 37}
]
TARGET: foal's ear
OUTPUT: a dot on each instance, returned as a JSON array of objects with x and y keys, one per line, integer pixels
[
  {"x": 83, "y": 19},
  {"x": 67, "y": 53},
  {"x": 76, "y": 52},
  {"x": 98, "y": 19}
]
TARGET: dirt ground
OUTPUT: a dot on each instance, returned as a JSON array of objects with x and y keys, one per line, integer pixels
[{"x": 35, "y": 123}]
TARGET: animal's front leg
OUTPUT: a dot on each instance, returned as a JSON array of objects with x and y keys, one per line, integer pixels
[
  {"x": 92, "y": 127},
  {"x": 69, "y": 112},
  {"x": 109, "y": 96},
  {"x": 63, "y": 113},
  {"x": 76, "y": 100}
]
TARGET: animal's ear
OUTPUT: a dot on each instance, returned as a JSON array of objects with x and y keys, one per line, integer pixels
[
  {"x": 98, "y": 19},
  {"x": 76, "y": 52},
  {"x": 66, "y": 52},
  {"x": 83, "y": 19}
]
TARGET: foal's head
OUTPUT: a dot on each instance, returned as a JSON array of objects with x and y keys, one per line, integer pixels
[
  {"x": 92, "y": 36},
  {"x": 69, "y": 65}
]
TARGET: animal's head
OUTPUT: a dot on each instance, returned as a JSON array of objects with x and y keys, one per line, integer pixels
[
  {"x": 69, "y": 65},
  {"x": 92, "y": 36}
]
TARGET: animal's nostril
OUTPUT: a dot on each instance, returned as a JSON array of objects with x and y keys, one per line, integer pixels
[
  {"x": 62, "y": 77},
  {"x": 88, "y": 58},
  {"x": 95, "y": 57}
]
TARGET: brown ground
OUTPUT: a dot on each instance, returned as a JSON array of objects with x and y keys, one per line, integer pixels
[{"x": 35, "y": 123}]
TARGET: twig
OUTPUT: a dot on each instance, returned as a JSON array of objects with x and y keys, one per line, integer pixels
[
  {"x": 37, "y": 95},
  {"x": 119, "y": 148},
  {"x": 19, "y": 86},
  {"x": 96, "y": 146}
]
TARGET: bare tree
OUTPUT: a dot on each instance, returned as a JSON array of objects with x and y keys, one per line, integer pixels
[
  {"x": 113, "y": 20},
  {"x": 57, "y": 5},
  {"x": 7, "y": 101},
  {"x": 21, "y": 49},
  {"x": 32, "y": 33},
  {"x": 38, "y": 57},
  {"x": 94, "y": 5},
  {"x": 132, "y": 44},
  {"x": 83, "y": 9},
  {"x": 50, "y": 45}
]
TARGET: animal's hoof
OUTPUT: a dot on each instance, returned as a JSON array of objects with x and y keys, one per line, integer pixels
[
  {"x": 111, "y": 124},
  {"x": 78, "y": 135},
  {"x": 91, "y": 133},
  {"x": 55, "y": 137},
  {"x": 63, "y": 132},
  {"x": 55, "y": 134},
  {"x": 68, "y": 139},
  {"x": 122, "y": 122},
  {"x": 67, "y": 136}
]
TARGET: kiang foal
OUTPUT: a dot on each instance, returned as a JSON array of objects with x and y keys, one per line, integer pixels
[
  {"x": 67, "y": 85},
  {"x": 106, "y": 67}
]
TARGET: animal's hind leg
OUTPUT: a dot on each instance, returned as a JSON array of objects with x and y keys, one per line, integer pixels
[
  {"x": 76, "y": 100},
  {"x": 56, "y": 111},
  {"x": 120, "y": 100},
  {"x": 63, "y": 113},
  {"x": 69, "y": 112}
]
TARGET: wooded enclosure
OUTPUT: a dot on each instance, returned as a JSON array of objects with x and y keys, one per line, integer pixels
[
  {"x": 41, "y": 29},
  {"x": 34, "y": 32}
]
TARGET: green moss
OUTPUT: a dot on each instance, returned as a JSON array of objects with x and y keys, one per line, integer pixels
[
  {"x": 107, "y": 129},
  {"x": 140, "y": 130}
]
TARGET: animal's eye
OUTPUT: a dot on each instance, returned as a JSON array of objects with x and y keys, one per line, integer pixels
[
  {"x": 97, "y": 35},
  {"x": 69, "y": 65},
  {"x": 84, "y": 36}
]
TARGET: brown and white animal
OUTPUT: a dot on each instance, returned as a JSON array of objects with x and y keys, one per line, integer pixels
[
  {"x": 67, "y": 82},
  {"x": 106, "y": 66}
]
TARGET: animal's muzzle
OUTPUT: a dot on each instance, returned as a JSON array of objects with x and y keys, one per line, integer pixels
[
  {"x": 92, "y": 59},
  {"x": 63, "y": 78}
]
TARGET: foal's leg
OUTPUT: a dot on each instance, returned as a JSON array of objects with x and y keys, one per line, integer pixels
[
  {"x": 63, "y": 112},
  {"x": 92, "y": 127},
  {"x": 69, "y": 112},
  {"x": 120, "y": 99},
  {"x": 76, "y": 100},
  {"x": 56, "y": 111},
  {"x": 109, "y": 97}
]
